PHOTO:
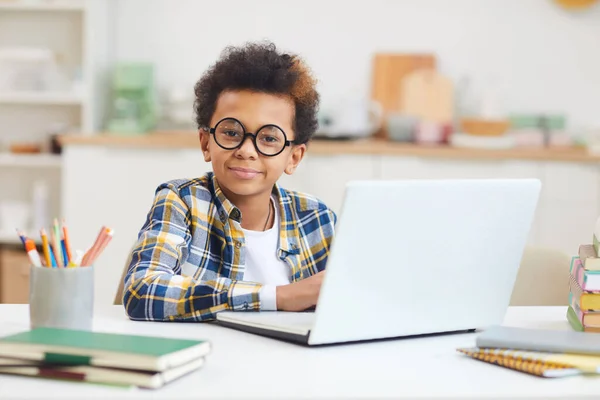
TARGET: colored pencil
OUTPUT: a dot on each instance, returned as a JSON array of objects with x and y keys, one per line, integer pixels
[
  {"x": 46, "y": 248},
  {"x": 52, "y": 257},
  {"x": 92, "y": 250},
  {"x": 63, "y": 248},
  {"x": 33, "y": 254},
  {"x": 57, "y": 250},
  {"x": 22, "y": 237},
  {"x": 108, "y": 233},
  {"x": 67, "y": 240}
]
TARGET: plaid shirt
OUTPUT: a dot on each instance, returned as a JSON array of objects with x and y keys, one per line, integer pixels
[{"x": 189, "y": 260}]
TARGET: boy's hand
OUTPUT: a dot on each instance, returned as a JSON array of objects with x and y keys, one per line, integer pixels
[{"x": 301, "y": 295}]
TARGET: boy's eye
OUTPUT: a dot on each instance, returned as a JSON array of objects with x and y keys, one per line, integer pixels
[
  {"x": 270, "y": 139},
  {"x": 271, "y": 136},
  {"x": 231, "y": 133}
]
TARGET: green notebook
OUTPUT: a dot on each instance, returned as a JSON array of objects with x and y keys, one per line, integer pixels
[{"x": 64, "y": 346}]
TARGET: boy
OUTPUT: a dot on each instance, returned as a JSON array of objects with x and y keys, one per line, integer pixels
[{"x": 233, "y": 239}]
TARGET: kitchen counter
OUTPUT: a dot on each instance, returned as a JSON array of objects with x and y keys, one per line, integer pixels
[{"x": 165, "y": 140}]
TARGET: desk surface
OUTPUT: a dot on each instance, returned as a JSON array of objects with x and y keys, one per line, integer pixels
[{"x": 247, "y": 366}]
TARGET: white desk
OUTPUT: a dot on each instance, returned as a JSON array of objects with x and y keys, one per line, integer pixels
[{"x": 247, "y": 366}]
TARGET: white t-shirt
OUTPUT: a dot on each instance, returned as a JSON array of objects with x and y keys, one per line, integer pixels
[{"x": 263, "y": 265}]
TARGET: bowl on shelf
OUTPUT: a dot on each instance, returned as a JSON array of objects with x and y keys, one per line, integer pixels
[
  {"x": 25, "y": 148},
  {"x": 484, "y": 127}
]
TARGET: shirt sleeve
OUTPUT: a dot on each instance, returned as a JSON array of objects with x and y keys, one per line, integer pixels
[
  {"x": 154, "y": 288},
  {"x": 268, "y": 298}
]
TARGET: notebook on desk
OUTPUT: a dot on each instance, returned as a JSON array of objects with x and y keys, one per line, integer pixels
[
  {"x": 93, "y": 374},
  {"x": 100, "y": 357},
  {"x": 102, "y": 349},
  {"x": 412, "y": 258},
  {"x": 556, "y": 341},
  {"x": 542, "y": 364}
]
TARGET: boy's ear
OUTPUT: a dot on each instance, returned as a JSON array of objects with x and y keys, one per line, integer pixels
[
  {"x": 204, "y": 137},
  {"x": 295, "y": 158}
]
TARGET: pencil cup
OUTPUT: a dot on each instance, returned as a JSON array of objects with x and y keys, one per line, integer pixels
[{"x": 61, "y": 297}]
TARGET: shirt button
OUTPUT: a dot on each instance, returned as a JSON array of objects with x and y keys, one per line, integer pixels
[
  {"x": 245, "y": 305},
  {"x": 238, "y": 244},
  {"x": 235, "y": 214}
]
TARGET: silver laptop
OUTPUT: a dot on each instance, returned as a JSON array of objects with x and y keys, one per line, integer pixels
[{"x": 413, "y": 258}]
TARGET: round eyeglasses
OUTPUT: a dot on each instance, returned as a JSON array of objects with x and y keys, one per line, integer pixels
[{"x": 269, "y": 140}]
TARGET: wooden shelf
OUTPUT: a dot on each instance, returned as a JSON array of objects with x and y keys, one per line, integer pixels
[
  {"x": 165, "y": 140},
  {"x": 45, "y": 98},
  {"x": 30, "y": 160},
  {"x": 41, "y": 6}
]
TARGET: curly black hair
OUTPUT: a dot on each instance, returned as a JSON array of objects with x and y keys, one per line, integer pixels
[{"x": 260, "y": 67}]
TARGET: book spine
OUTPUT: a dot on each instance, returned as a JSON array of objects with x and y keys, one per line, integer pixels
[
  {"x": 577, "y": 309},
  {"x": 583, "y": 298},
  {"x": 581, "y": 275},
  {"x": 577, "y": 271},
  {"x": 572, "y": 265},
  {"x": 575, "y": 290},
  {"x": 589, "y": 257},
  {"x": 66, "y": 359},
  {"x": 574, "y": 320},
  {"x": 57, "y": 373},
  {"x": 586, "y": 300}
]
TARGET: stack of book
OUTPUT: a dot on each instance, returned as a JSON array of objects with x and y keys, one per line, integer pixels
[
  {"x": 104, "y": 358},
  {"x": 584, "y": 287}
]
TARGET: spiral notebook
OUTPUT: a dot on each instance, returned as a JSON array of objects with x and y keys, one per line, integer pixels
[{"x": 542, "y": 364}]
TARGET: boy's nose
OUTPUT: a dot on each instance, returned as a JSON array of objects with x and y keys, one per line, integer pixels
[{"x": 247, "y": 149}]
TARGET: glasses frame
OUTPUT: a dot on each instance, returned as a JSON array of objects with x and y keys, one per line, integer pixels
[{"x": 286, "y": 142}]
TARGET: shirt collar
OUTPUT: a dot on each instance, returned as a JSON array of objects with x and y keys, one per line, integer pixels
[
  {"x": 288, "y": 228},
  {"x": 224, "y": 206},
  {"x": 289, "y": 235}
]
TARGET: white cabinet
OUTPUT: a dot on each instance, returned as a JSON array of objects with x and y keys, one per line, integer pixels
[
  {"x": 115, "y": 187},
  {"x": 570, "y": 205},
  {"x": 569, "y": 200},
  {"x": 326, "y": 176},
  {"x": 431, "y": 168},
  {"x": 119, "y": 192}
]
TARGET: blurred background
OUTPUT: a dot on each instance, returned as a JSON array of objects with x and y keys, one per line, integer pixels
[{"x": 96, "y": 106}]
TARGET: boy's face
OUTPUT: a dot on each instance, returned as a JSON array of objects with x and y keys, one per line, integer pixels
[{"x": 244, "y": 171}]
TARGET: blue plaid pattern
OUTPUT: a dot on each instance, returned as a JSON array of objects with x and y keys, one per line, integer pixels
[{"x": 188, "y": 261}]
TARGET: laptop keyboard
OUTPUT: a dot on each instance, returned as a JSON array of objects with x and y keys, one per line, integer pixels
[
  {"x": 297, "y": 320},
  {"x": 304, "y": 320}
]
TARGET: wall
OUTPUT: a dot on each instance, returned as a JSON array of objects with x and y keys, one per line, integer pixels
[{"x": 540, "y": 57}]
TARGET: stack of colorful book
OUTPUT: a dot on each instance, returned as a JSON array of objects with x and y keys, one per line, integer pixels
[
  {"x": 584, "y": 295},
  {"x": 104, "y": 358}
]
